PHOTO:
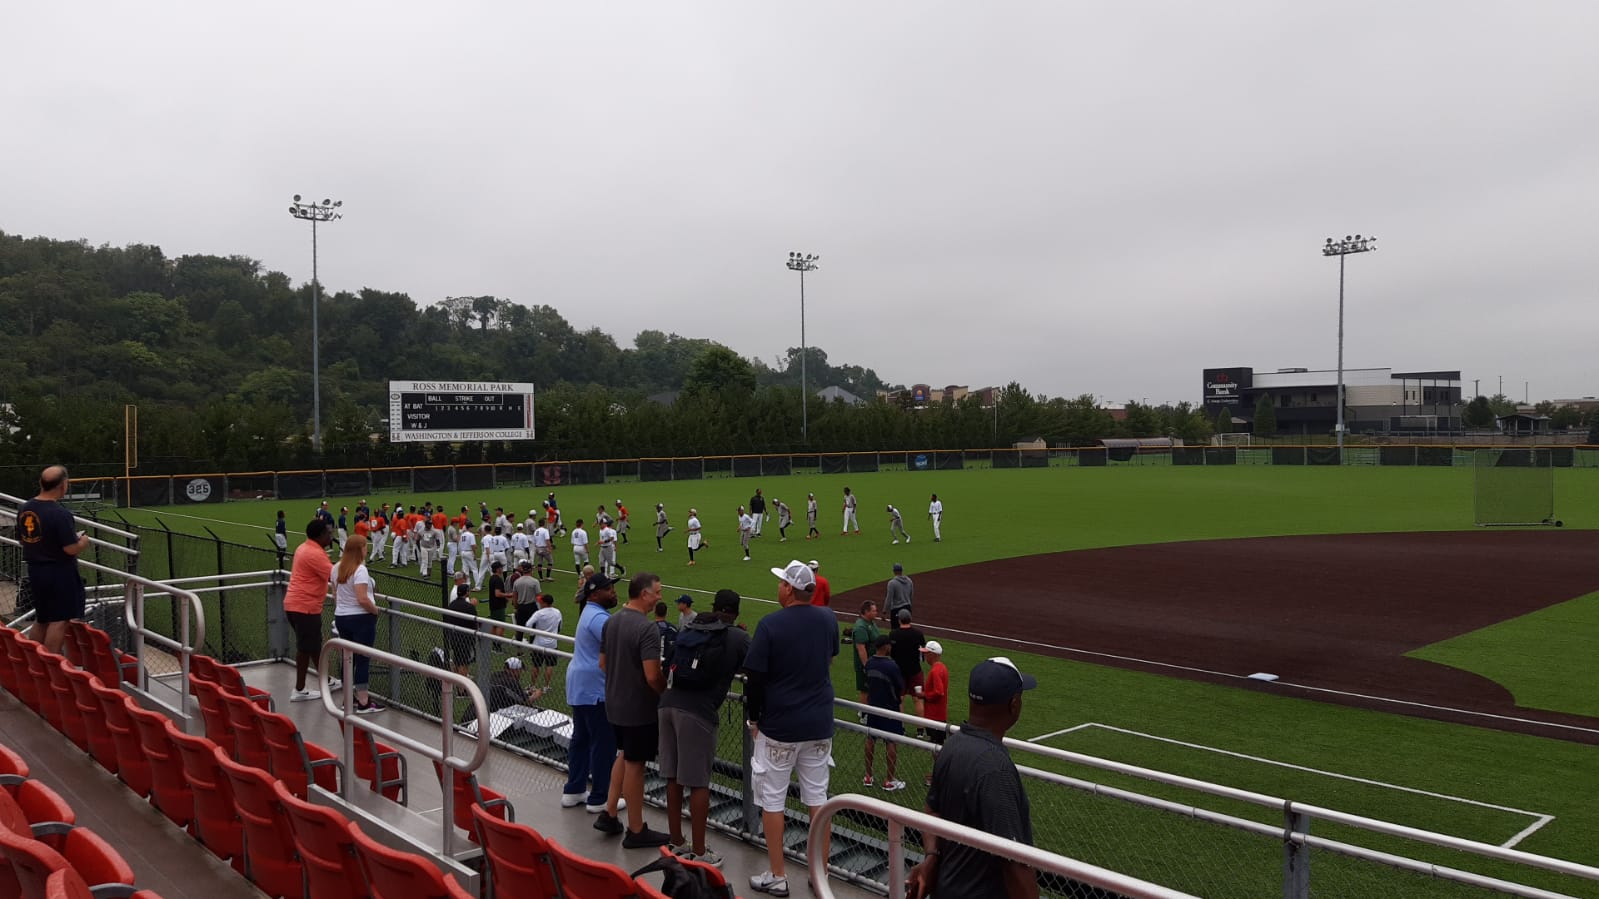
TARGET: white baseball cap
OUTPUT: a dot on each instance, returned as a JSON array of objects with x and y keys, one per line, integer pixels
[
  {"x": 934, "y": 647},
  {"x": 797, "y": 575},
  {"x": 813, "y": 564},
  {"x": 513, "y": 663}
]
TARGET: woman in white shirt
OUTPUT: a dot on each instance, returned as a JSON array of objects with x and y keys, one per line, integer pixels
[{"x": 355, "y": 612}]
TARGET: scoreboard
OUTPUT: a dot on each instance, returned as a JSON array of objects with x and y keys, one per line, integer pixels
[{"x": 459, "y": 410}]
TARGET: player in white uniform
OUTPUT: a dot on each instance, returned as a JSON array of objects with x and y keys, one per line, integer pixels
[
  {"x": 502, "y": 524},
  {"x": 378, "y": 535},
  {"x": 451, "y": 535},
  {"x": 520, "y": 545},
  {"x": 896, "y": 525},
  {"x": 746, "y": 529},
  {"x": 543, "y": 553},
  {"x": 662, "y": 528},
  {"x": 810, "y": 518},
  {"x": 935, "y": 514},
  {"x": 607, "y": 535},
  {"x": 532, "y": 522},
  {"x": 466, "y": 547},
  {"x": 580, "y": 546},
  {"x": 498, "y": 548},
  {"x": 695, "y": 539},
  {"x": 486, "y": 548},
  {"x": 785, "y": 517},
  {"x": 849, "y": 514}
]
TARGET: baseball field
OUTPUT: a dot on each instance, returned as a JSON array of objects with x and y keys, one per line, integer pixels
[{"x": 1426, "y": 672}]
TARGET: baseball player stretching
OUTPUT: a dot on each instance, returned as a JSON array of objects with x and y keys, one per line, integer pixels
[{"x": 896, "y": 525}]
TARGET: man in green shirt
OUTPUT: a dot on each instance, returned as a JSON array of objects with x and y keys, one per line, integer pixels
[{"x": 865, "y": 637}]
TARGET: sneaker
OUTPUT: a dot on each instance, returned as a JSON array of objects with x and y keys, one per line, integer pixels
[
  {"x": 896, "y": 542},
  {"x": 305, "y": 695},
  {"x": 907, "y": 539},
  {"x": 708, "y": 857},
  {"x": 370, "y": 707},
  {"x": 890, "y": 786},
  {"x": 334, "y": 684},
  {"x": 644, "y": 838},
  {"x": 621, "y": 804},
  {"x": 681, "y": 850},
  {"x": 767, "y": 882},
  {"x": 866, "y": 781},
  {"x": 572, "y": 800},
  {"x": 607, "y": 823}
]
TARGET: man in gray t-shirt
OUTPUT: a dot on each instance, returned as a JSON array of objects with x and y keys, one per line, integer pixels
[
  {"x": 630, "y": 654},
  {"x": 525, "y": 590}
]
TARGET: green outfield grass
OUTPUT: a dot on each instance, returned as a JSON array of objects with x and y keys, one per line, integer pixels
[{"x": 997, "y": 514}]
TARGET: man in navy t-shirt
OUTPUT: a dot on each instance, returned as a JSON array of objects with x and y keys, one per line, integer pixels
[
  {"x": 50, "y": 546},
  {"x": 789, "y": 703}
]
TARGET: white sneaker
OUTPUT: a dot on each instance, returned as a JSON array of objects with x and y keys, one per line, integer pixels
[
  {"x": 896, "y": 542},
  {"x": 767, "y": 882},
  {"x": 305, "y": 695},
  {"x": 890, "y": 786},
  {"x": 596, "y": 809},
  {"x": 572, "y": 800},
  {"x": 334, "y": 684},
  {"x": 907, "y": 539}
]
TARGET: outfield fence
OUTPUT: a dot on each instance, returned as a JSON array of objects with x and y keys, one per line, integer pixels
[{"x": 93, "y": 489}]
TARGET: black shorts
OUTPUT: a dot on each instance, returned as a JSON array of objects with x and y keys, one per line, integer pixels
[
  {"x": 524, "y": 612},
  {"x": 58, "y": 593},
  {"x": 307, "y": 632},
  {"x": 463, "y": 650},
  {"x": 936, "y": 735},
  {"x": 542, "y": 658},
  {"x": 638, "y": 743}
]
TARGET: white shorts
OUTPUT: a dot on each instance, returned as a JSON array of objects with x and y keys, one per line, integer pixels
[{"x": 773, "y": 762}]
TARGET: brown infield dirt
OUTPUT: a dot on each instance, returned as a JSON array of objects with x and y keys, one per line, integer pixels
[{"x": 1332, "y": 616}]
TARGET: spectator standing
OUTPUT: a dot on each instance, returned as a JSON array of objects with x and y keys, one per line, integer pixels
[
  {"x": 634, "y": 681},
  {"x": 823, "y": 594},
  {"x": 355, "y": 612},
  {"x": 975, "y": 783},
  {"x": 849, "y": 515},
  {"x": 896, "y": 525},
  {"x": 790, "y": 710},
  {"x": 547, "y": 620},
  {"x": 500, "y": 595},
  {"x": 662, "y": 527},
  {"x": 685, "y": 611},
  {"x": 935, "y": 514},
  {"x": 309, "y": 577},
  {"x": 935, "y": 694},
  {"x": 785, "y": 517},
  {"x": 908, "y": 641},
  {"x": 461, "y": 635},
  {"x": 884, "y": 687},
  {"x": 593, "y": 745},
  {"x": 582, "y": 586},
  {"x": 525, "y": 592},
  {"x": 900, "y": 594},
  {"x": 863, "y": 636},
  {"x": 713, "y": 652},
  {"x": 51, "y": 547},
  {"x": 810, "y": 517},
  {"x": 757, "y": 511}
]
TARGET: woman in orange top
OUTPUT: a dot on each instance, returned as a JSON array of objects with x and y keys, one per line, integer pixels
[{"x": 302, "y": 603}]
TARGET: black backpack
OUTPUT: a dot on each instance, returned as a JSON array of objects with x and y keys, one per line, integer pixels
[
  {"x": 685, "y": 881},
  {"x": 668, "y": 643},
  {"x": 699, "y": 659}
]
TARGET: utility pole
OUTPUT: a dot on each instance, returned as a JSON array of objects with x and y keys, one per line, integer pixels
[
  {"x": 325, "y": 211},
  {"x": 802, "y": 263}
]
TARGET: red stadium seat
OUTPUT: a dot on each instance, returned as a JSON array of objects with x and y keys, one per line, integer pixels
[
  {"x": 322, "y": 837},
  {"x": 169, "y": 787},
  {"x": 40, "y": 661},
  {"x": 273, "y": 864},
  {"x": 18, "y": 649},
  {"x": 106, "y": 662},
  {"x": 229, "y": 679},
  {"x": 400, "y": 875},
  {"x": 101, "y": 744},
  {"x": 32, "y": 862},
  {"x": 133, "y": 768},
  {"x": 216, "y": 814},
  {"x": 580, "y": 876},
  {"x": 202, "y": 667},
  {"x": 295, "y": 760},
  {"x": 42, "y": 807},
  {"x": 371, "y": 758},
  {"x": 73, "y": 646},
  {"x": 214, "y": 712},
  {"x": 71, "y": 721},
  {"x": 12, "y": 767},
  {"x": 8, "y": 675},
  {"x": 249, "y": 745},
  {"x": 519, "y": 863},
  {"x": 469, "y": 793}
]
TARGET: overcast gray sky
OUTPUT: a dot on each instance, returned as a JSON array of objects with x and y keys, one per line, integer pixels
[{"x": 1087, "y": 198}]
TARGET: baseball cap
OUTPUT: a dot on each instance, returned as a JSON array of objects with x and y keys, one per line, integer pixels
[
  {"x": 996, "y": 680},
  {"x": 904, "y": 615},
  {"x": 595, "y": 583},
  {"x": 685, "y": 600},
  {"x": 513, "y": 663},
  {"x": 726, "y": 601},
  {"x": 882, "y": 641},
  {"x": 813, "y": 564},
  {"x": 898, "y": 568},
  {"x": 798, "y": 575},
  {"x": 524, "y": 564},
  {"x": 934, "y": 647}
]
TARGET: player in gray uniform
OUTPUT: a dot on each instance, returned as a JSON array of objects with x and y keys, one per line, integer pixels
[
  {"x": 810, "y": 517},
  {"x": 896, "y": 525},
  {"x": 849, "y": 514},
  {"x": 785, "y": 517},
  {"x": 661, "y": 527}
]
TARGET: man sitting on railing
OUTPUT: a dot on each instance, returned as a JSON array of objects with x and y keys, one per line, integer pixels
[{"x": 975, "y": 783}]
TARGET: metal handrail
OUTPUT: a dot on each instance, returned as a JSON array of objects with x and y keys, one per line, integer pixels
[
  {"x": 449, "y": 681},
  {"x": 506, "y": 626},
  {"x": 898, "y": 817},
  {"x": 88, "y": 522}
]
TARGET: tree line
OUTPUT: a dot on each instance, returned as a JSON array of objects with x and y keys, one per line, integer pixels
[{"x": 215, "y": 352}]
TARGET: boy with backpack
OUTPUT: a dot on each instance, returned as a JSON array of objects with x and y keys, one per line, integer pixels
[{"x": 707, "y": 655}]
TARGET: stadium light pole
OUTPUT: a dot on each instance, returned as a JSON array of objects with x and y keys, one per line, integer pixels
[
  {"x": 802, "y": 263},
  {"x": 325, "y": 211},
  {"x": 1341, "y": 249}
]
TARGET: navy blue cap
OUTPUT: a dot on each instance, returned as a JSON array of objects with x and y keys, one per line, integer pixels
[
  {"x": 596, "y": 583},
  {"x": 996, "y": 680}
]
